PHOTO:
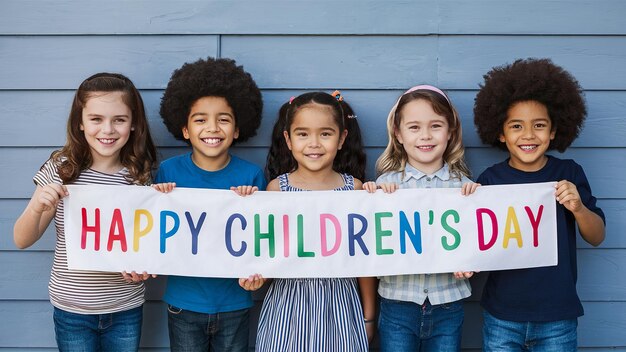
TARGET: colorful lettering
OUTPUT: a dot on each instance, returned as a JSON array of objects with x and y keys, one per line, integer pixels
[{"x": 228, "y": 235}]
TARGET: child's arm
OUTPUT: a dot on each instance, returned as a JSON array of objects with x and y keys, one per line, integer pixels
[
  {"x": 367, "y": 291},
  {"x": 590, "y": 224},
  {"x": 38, "y": 214}
]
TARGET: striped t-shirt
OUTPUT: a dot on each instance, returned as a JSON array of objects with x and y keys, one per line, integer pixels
[{"x": 86, "y": 292}]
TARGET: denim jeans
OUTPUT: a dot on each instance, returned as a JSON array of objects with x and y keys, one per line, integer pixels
[
  {"x": 407, "y": 326},
  {"x": 504, "y": 335},
  {"x": 219, "y": 332},
  {"x": 119, "y": 331}
]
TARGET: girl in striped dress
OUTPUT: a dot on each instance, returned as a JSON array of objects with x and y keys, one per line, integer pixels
[
  {"x": 108, "y": 142},
  {"x": 317, "y": 146}
]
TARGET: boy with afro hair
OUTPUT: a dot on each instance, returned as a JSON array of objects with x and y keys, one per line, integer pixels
[
  {"x": 528, "y": 108},
  {"x": 210, "y": 104}
]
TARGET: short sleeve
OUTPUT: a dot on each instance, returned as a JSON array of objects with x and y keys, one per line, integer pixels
[
  {"x": 260, "y": 181},
  {"x": 47, "y": 174},
  {"x": 584, "y": 190}
]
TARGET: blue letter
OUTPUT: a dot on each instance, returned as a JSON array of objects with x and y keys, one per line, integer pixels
[
  {"x": 166, "y": 234},
  {"x": 229, "y": 225},
  {"x": 352, "y": 237},
  {"x": 195, "y": 230}
]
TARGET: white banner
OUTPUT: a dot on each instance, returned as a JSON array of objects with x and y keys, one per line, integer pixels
[{"x": 216, "y": 233}]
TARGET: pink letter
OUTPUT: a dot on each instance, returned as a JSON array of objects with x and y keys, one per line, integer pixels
[
  {"x": 333, "y": 219},
  {"x": 481, "y": 230},
  {"x": 535, "y": 223},
  {"x": 286, "y": 235}
]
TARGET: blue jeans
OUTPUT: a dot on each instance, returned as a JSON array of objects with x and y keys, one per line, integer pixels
[
  {"x": 504, "y": 335},
  {"x": 119, "y": 331},
  {"x": 408, "y": 326},
  {"x": 192, "y": 331}
]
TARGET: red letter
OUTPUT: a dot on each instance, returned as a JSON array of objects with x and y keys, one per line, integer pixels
[
  {"x": 481, "y": 231},
  {"x": 116, "y": 222},
  {"x": 535, "y": 223},
  {"x": 95, "y": 229}
]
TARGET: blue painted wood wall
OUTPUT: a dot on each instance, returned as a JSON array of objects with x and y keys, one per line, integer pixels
[{"x": 371, "y": 50}]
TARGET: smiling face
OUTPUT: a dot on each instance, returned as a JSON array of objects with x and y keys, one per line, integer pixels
[
  {"x": 106, "y": 123},
  {"x": 527, "y": 133},
  {"x": 314, "y": 138},
  {"x": 423, "y": 134},
  {"x": 211, "y": 131}
]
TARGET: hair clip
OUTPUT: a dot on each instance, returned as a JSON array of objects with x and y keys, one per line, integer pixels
[
  {"x": 337, "y": 95},
  {"x": 291, "y": 99},
  {"x": 352, "y": 116}
]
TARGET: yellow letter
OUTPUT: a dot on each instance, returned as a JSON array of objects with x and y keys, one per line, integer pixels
[
  {"x": 511, "y": 229},
  {"x": 138, "y": 232}
]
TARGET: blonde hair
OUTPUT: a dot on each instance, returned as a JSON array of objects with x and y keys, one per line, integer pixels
[{"x": 394, "y": 158}]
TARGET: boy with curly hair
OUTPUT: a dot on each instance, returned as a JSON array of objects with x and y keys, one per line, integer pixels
[
  {"x": 210, "y": 104},
  {"x": 528, "y": 108}
]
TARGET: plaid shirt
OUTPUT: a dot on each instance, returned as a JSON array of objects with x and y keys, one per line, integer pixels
[{"x": 438, "y": 288}]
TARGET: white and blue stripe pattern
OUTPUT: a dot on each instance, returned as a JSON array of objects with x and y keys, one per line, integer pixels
[{"x": 312, "y": 314}]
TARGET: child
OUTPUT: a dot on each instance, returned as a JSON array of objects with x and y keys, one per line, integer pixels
[
  {"x": 108, "y": 142},
  {"x": 425, "y": 150},
  {"x": 528, "y": 108},
  {"x": 210, "y": 104},
  {"x": 316, "y": 314}
]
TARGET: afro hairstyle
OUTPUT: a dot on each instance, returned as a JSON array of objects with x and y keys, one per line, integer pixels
[
  {"x": 212, "y": 78},
  {"x": 530, "y": 80}
]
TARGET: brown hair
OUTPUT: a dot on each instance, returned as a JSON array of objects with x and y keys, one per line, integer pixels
[{"x": 138, "y": 155}]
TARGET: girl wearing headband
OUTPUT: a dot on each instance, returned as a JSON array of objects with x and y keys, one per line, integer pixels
[{"x": 422, "y": 312}]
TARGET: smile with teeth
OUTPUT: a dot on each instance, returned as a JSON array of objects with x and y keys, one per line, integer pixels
[
  {"x": 211, "y": 141},
  {"x": 528, "y": 147},
  {"x": 106, "y": 140},
  {"x": 425, "y": 147},
  {"x": 314, "y": 156}
]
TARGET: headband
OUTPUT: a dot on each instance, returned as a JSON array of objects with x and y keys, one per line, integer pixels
[
  {"x": 427, "y": 87},
  {"x": 392, "y": 113}
]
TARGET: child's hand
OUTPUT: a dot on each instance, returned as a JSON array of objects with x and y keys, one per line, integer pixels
[
  {"x": 48, "y": 197},
  {"x": 164, "y": 187},
  {"x": 464, "y": 274},
  {"x": 469, "y": 188},
  {"x": 134, "y": 277},
  {"x": 567, "y": 195},
  {"x": 370, "y": 186},
  {"x": 252, "y": 282},
  {"x": 244, "y": 190},
  {"x": 370, "y": 329},
  {"x": 389, "y": 187}
]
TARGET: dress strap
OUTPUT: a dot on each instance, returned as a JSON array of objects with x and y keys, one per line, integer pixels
[{"x": 283, "y": 182}]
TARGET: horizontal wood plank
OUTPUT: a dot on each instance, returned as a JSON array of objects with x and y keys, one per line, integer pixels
[
  {"x": 36, "y": 62},
  {"x": 321, "y": 17},
  {"x": 43, "y": 117},
  {"x": 464, "y": 60}
]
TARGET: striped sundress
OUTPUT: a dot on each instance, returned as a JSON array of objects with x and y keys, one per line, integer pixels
[{"x": 312, "y": 314}]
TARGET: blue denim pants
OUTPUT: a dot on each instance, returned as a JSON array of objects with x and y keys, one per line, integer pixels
[
  {"x": 504, "y": 335},
  {"x": 407, "y": 326},
  {"x": 119, "y": 331},
  {"x": 219, "y": 332}
]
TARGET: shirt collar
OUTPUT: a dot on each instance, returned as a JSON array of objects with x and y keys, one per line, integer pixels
[{"x": 409, "y": 171}]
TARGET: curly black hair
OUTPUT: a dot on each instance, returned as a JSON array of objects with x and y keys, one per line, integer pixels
[
  {"x": 530, "y": 80},
  {"x": 212, "y": 78}
]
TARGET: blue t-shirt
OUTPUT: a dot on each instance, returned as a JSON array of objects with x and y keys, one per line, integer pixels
[
  {"x": 546, "y": 293},
  {"x": 199, "y": 294}
]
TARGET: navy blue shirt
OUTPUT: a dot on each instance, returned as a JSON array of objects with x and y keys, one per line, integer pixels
[{"x": 546, "y": 293}]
